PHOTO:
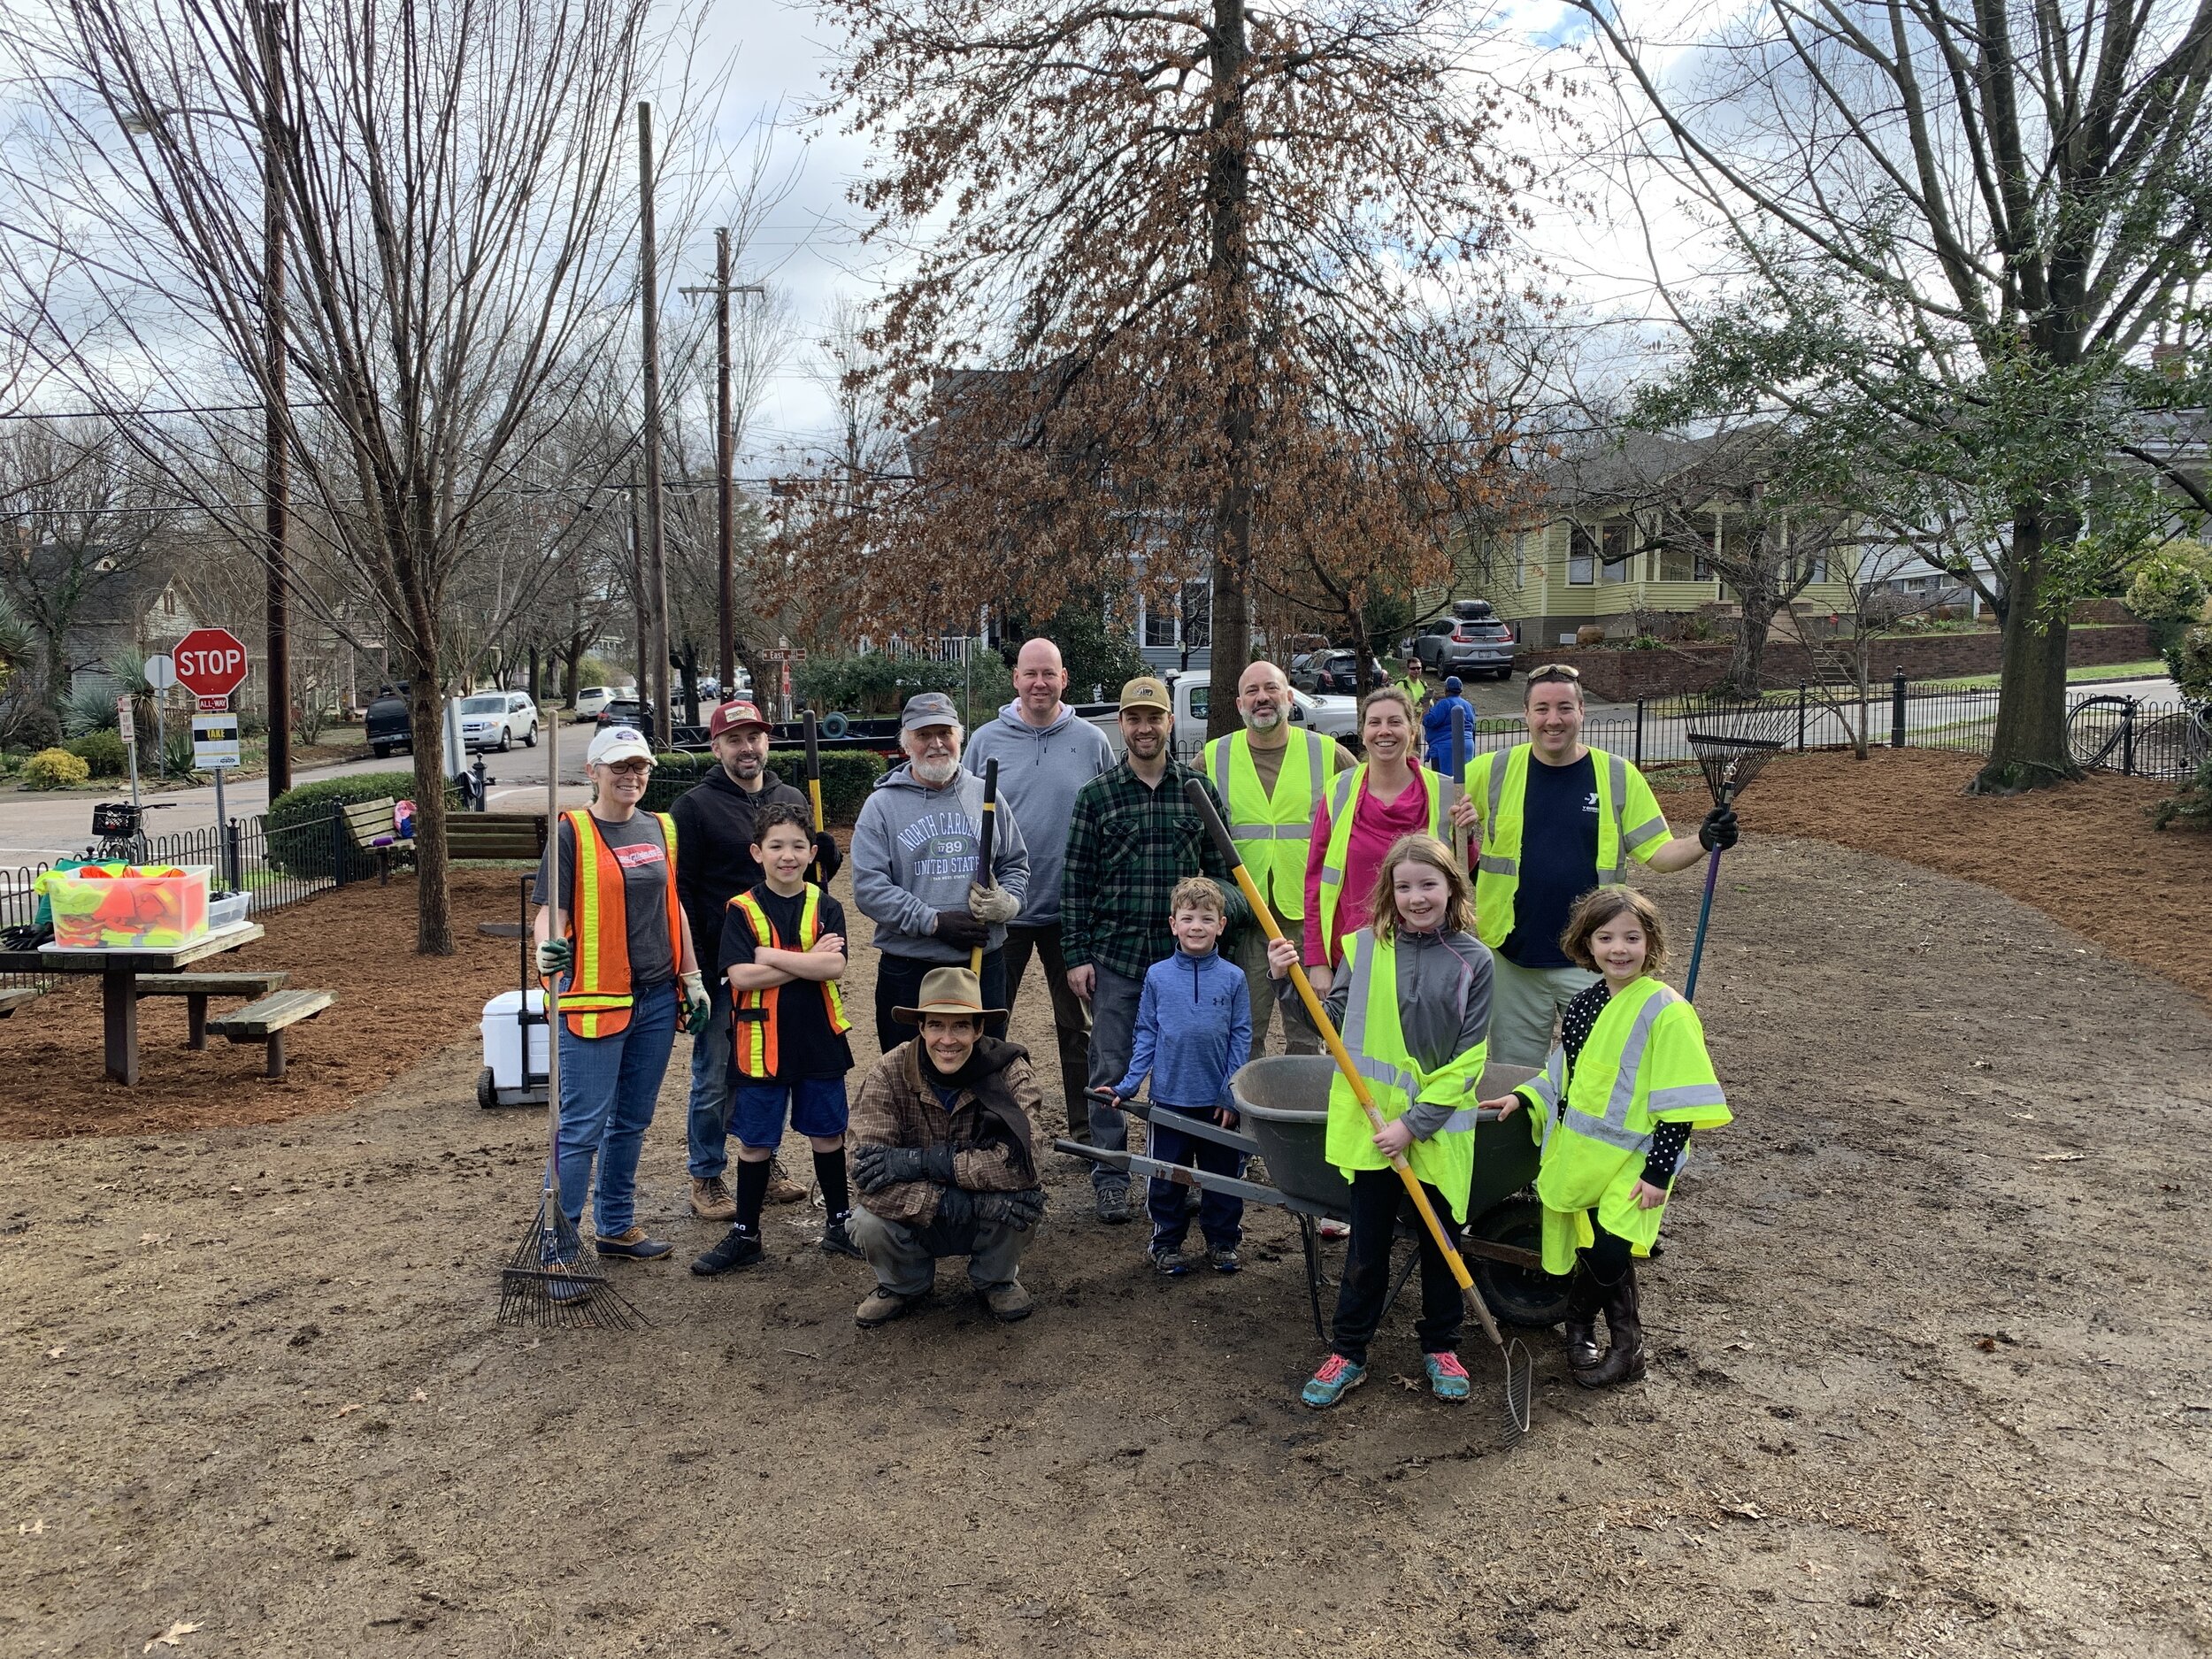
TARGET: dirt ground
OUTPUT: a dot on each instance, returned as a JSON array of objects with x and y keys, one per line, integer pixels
[{"x": 1930, "y": 1375}]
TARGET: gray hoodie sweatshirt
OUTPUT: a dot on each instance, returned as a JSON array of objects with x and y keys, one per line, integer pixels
[
  {"x": 915, "y": 853},
  {"x": 1040, "y": 771}
]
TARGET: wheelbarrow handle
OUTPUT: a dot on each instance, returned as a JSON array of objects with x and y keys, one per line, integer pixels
[{"x": 1195, "y": 789}]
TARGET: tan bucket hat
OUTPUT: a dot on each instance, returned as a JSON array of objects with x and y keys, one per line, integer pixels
[{"x": 947, "y": 991}]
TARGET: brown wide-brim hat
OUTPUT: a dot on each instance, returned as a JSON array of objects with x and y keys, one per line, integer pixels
[{"x": 947, "y": 991}]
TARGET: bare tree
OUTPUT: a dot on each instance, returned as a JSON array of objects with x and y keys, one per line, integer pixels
[
  {"x": 1840, "y": 642},
  {"x": 458, "y": 209},
  {"x": 1950, "y": 225}
]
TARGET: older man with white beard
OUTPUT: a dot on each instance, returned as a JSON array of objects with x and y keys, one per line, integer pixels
[{"x": 916, "y": 854}]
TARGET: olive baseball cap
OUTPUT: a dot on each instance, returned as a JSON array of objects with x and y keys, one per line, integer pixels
[
  {"x": 929, "y": 707},
  {"x": 1148, "y": 691}
]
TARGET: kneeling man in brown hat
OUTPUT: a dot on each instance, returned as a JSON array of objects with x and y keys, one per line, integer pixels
[{"x": 944, "y": 1161}]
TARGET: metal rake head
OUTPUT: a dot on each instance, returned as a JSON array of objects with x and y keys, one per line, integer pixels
[
  {"x": 546, "y": 1281},
  {"x": 1733, "y": 740},
  {"x": 1520, "y": 1389}
]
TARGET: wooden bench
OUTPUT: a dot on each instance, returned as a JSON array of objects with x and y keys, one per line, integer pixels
[
  {"x": 264, "y": 1022},
  {"x": 518, "y": 836},
  {"x": 15, "y": 996},
  {"x": 368, "y": 822},
  {"x": 195, "y": 989}
]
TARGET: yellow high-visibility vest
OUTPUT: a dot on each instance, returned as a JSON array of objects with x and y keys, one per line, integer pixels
[
  {"x": 1344, "y": 802},
  {"x": 1643, "y": 1063},
  {"x": 1376, "y": 1041},
  {"x": 753, "y": 1029},
  {"x": 1272, "y": 831},
  {"x": 1629, "y": 823},
  {"x": 598, "y": 1000}
]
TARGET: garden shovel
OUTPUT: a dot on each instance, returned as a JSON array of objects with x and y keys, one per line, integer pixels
[{"x": 1519, "y": 1367}]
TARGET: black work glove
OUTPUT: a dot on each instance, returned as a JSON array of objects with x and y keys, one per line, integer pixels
[
  {"x": 825, "y": 853},
  {"x": 1718, "y": 833},
  {"x": 956, "y": 1207},
  {"x": 1019, "y": 1210},
  {"x": 957, "y": 927},
  {"x": 875, "y": 1168}
]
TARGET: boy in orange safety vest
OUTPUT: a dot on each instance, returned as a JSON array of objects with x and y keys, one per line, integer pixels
[{"x": 783, "y": 948}]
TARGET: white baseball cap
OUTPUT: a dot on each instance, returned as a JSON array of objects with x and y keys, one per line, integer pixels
[{"x": 619, "y": 742}]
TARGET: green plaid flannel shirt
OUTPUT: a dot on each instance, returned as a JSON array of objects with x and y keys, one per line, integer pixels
[{"x": 1128, "y": 845}]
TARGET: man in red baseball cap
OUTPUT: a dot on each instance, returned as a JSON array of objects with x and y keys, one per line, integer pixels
[{"x": 714, "y": 827}]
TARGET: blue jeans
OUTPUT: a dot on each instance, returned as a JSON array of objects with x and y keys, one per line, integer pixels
[
  {"x": 1114, "y": 999},
  {"x": 608, "y": 1087},
  {"x": 707, "y": 1124},
  {"x": 1220, "y": 1216}
]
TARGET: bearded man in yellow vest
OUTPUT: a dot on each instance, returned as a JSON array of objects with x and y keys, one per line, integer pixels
[
  {"x": 1272, "y": 775},
  {"x": 1557, "y": 818}
]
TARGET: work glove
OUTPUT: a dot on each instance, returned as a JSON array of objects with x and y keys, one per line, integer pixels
[
  {"x": 698, "y": 1007},
  {"x": 554, "y": 955},
  {"x": 958, "y": 927},
  {"x": 1019, "y": 1210},
  {"x": 875, "y": 1168},
  {"x": 825, "y": 853},
  {"x": 992, "y": 905},
  {"x": 1718, "y": 833}
]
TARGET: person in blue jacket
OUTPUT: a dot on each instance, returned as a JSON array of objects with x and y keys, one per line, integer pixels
[
  {"x": 1193, "y": 1031},
  {"x": 1436, "y": 727}
]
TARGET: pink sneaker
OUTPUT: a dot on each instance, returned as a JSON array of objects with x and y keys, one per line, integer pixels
[
  {"x": 1337, "y": 1378},
  {"x": 1447, "y": 1376}
]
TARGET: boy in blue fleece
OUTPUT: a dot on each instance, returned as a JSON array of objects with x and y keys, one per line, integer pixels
[{"x": 1193, "y": 1031}]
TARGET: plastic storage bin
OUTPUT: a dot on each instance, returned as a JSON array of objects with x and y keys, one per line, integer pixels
[
  {"x": 126, "y": 907},
  {"x": 226, "y": 911}
]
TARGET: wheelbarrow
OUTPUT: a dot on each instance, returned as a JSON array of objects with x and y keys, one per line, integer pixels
[{"x": 1282, "y": 1106}]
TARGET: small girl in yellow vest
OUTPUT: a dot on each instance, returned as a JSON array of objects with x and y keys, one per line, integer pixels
[
  {"x": 783, "y": 950},
  {"x": 1627, "y": 1082},
  {"x": 1413, "y": 1006}
]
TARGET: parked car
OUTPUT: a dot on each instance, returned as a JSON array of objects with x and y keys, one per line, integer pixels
[
  {"x": 1334, "y": 674},
  {"x": 1331, "y": 716},
  {"x": 626, "y": 711},
  {"x": 387, "y": 724},
  {"x": 592, "y": 699},
  {"x": 1472, "y": 641},
  {"x": 499, "y": 719}
]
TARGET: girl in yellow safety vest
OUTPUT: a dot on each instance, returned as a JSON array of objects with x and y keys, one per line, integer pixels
[
  {"x": 1627, "y": 1082},
  {"x": 1413, "y": 1005}
]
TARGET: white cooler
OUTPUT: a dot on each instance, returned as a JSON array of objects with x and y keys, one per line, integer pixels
[{"x": 503, "y": 1081}]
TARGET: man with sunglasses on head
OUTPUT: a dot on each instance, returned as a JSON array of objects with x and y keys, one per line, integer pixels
[{"x": 1558, "y": 817}]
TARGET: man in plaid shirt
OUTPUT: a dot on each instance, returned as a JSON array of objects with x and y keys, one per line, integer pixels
[{"x": 1132, "y": 837}]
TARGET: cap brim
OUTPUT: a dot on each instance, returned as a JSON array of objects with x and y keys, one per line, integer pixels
[{"x": 913, "y": 1016}]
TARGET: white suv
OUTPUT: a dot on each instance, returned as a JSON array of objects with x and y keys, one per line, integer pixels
[
  {"x": 592, "y": 699},
  {"x": 497, "y": 719}
]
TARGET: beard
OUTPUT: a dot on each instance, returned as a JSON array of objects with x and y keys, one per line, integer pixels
[
  {"x": 936, "y": 773},
  {"x": 1264, "y": 719}
]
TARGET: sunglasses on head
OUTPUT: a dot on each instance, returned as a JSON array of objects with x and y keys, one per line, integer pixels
[{"x": 1553, "y": 670}]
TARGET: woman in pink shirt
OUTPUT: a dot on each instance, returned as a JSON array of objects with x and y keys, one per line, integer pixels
[{"x": 1390, "y": 796}]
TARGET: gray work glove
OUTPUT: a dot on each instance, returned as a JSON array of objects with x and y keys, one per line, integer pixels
[
  {"x": 875, "y": 1168},
  {"x": 698, "y": 1006},
  {"x": 994, "y": 906},
  {"x": 554, "y": 955},
  {"x": 958, "y": 928}
]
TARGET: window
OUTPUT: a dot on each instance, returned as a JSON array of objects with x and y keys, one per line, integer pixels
[
  {"x": 1618, "y": 554},
  {"x": 1159, "y": 624},
  {"x": 1198, "y": 702},
  {"x": 1582, "y": 556},
  {"x": 1677, "y": 563},
  {"x": 1197, "y": 614}
]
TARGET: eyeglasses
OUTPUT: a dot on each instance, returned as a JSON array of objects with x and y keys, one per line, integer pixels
[{"x": 629, "y": 768}]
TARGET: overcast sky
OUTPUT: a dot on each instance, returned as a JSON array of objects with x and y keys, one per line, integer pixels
[{"x": 809, "y": 245}]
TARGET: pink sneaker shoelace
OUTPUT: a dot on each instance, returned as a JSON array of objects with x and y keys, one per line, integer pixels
[
  {"x": 1332, "y": 1368},
  {"x": 1448, "y": 1365}
]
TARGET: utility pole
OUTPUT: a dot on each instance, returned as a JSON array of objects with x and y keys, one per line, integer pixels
[
  {"x": 726, "y": 454},
  {"x": 653, "y": 568},
  {"x": 276, "y": 483}
]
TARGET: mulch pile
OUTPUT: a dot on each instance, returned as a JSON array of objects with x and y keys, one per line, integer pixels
[
  {"x": 2083, "y": 853},
  {"x": 393, "y": 1007}
]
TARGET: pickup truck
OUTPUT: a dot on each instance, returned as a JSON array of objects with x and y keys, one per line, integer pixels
[
  {"x": 386, "y": 724},
  {"x": 1331, "y": 716}
]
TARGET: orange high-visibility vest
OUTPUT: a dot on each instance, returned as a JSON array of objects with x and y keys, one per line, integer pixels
[
  {"x": 753, "y": 1030},
  {"x": 597, "y": 1001}
]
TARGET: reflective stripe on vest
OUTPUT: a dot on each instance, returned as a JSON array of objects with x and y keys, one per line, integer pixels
[
  {"x": 754, "y": 1046},
  {"x": 1376, "y": 1041},
  {"x": 1271, "y": 831},
  {"x": 597, "y": 999},
  {"x": 1500, "y": 780},
  {"x": 1344, "y": 806}
]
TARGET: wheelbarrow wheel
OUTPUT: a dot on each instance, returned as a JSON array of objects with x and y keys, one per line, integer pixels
[
  {"x": 1517, "y": 1295},
  {"x": 487, "y": 1090}
]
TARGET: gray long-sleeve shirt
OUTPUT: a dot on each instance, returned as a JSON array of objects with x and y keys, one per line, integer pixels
[
  {"x": 915, "y": 853},
  {"x": 1443, "y": 1007},
  {"x": 1040, "y": 771}
]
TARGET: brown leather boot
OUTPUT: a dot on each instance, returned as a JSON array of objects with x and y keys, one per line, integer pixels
[
  {"x": 1586, "y": 1297},
  {"x": 1624, "y": 1360},
  {"x": 781, "y": 1188}
]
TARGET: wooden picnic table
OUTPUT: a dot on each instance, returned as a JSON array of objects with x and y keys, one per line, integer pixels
[{"x": 118, "y": 972}]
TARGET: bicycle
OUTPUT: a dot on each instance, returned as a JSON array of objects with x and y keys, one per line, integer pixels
[
  {"x": 2112, "y": 733},
  {"x": 117, "y": 826}
]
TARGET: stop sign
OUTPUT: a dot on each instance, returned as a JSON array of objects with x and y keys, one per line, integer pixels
[{"x": 210, "y": 661}]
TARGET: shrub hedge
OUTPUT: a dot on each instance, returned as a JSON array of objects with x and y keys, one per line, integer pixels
[
  {"x": 308, "y": 854},
  {"x": 101, "y": 750},
  {"x": 847, "y": 776}
]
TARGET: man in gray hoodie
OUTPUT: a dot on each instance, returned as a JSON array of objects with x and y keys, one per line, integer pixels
[
  {"x": 915, "y": 858},
  {"x": 1045, "y": 752}
]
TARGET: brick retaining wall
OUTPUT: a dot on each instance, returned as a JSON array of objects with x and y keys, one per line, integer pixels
[{"x": 1618, "y": 675}]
